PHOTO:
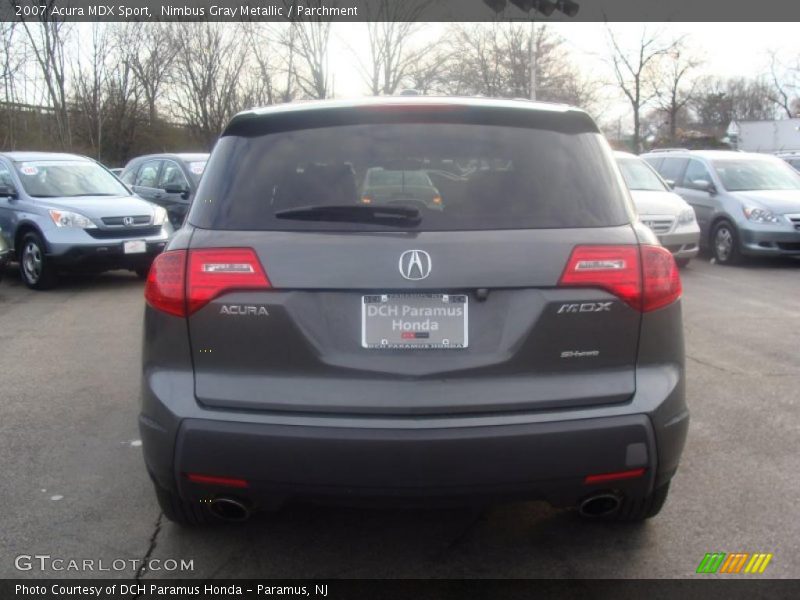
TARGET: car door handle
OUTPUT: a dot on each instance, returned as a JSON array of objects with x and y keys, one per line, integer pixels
[{"x": 158, "y": 196}]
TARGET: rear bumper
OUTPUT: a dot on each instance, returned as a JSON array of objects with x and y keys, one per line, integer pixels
[
  {"x": 537, "y": 460},
  {"x": 544, "y": 455}
]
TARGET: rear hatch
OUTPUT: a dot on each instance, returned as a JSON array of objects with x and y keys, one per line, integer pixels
[{"x": 305, "y": 296}]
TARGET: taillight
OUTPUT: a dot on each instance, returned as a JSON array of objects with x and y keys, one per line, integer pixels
[
  {"x": 645, "y": 277},
  {"x": 166, "y": 283},
  {"x": 662, "y": 283},
  {"x": 211, "y": 273},
  {"x": 215, "y": 271}
]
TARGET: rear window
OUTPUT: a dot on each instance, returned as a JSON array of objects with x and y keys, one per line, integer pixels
[{"x": 483, "y": 176}]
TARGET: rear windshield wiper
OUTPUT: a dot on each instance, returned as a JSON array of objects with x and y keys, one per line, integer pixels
[{"x": 383, "y": 215}]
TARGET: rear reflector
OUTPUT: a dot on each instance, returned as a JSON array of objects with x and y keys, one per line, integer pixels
[
  {"x": 182, "y": 282},
  {"x": 645, "y": 277},
  {"x": 604, "y": 477},
  {"x": 215, "y": 480}
]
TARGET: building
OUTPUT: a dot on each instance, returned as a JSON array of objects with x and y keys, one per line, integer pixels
[{"x": 765, "y": 136}]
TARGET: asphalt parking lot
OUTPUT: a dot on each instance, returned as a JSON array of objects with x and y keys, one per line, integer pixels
[{"x": 74, "y": 485}]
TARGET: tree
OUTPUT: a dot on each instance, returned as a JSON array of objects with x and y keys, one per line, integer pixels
[
  {"x": 635, "y": 71},
  {"x": 785, "y": 86},
  {"x": 208, "y": 82},
  {"x": 675, "y": 85},
  {"x": 309, "y": 40},
  {"x": 47, "y": 38},
  {"x": 12, "y": 60},
  {"x": 90, "y": 77},
  {"x": 493, "y": 59},
  {"x": 718, "y": 101},
  {"x": 150, "y": 52},
  {"x": 390, "y": 29}
]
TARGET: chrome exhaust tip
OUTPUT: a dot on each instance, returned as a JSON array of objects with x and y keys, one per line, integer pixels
[
  {"x": 600, "y": 505},
  {"x": 229, "y": 509}
]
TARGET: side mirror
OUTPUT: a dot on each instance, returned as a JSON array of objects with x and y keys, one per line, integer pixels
[
  {"x": 177, "y": 189},
  {"x": 670, "y": 183},
  {"x": 705, "y": 185},
  {"x": 8, "y": 191}
]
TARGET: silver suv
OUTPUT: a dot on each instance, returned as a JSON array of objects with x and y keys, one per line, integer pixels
[
  {"x": 746, "y": 203},
  {"x": 67, "y": 212},
  {"x": 522, "y": 337}
]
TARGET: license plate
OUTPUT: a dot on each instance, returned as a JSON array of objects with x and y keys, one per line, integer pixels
[
  {"x": 134, "y": 247},
  {"x": 414, "y": 321}
]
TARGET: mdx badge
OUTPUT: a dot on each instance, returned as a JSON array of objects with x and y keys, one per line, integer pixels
[
  {"x": 585, "y": 307},
  {"x": 415, "y": 264}
]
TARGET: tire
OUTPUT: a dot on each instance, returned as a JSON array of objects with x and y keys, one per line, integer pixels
[
  {"x": 724, "y": 244},
  {"x": 187, "y": 514},
  {"x": 36, "y": 270},
  {"x": 682, "y": 262},
  {"x": 142, "y": 272},
  {"x": 633, "y": 510}
]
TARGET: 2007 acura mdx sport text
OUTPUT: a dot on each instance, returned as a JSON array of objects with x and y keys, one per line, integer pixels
[{"x": 522, "y": 339}]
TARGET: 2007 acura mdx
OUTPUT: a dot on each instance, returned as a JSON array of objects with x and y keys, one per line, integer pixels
[{"x": 522, "y": 340}]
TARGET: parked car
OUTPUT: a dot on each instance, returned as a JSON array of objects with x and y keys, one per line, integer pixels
[
  {"x": 745, "y": 203},
  {"x": 793, "y": 158},
  {"x": 524, "y": 340},
  {"x": 169, "y": 180},
  {"x": 63, "y": 211},
  {"x": 662, "y": 210},
  {"x": 407, "y": 187},
  {"x": 5, "y": 254},
  {"x": 117, "y": 171}
]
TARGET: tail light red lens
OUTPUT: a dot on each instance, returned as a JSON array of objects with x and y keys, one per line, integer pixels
[
  {"x": 615, "y": 269},
  {"x": 181, "y": 282},
  {"x": 166, "y": 283},
  {"x": 662, "y": 282},
  {"x": 645, "y": 277},
  {"x": 215, "y": 271}
]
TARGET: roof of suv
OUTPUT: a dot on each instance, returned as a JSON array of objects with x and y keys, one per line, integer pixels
[{"x": 26, "y": 156}]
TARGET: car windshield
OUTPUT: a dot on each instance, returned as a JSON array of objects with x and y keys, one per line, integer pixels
[
  {"x": 64, "y": 178},
  {"x": 196, "y": 168},
  {"x": 739, "y": 175},
  {"x": 639, "y": 175},
  {"x": 459, "y": 176}
]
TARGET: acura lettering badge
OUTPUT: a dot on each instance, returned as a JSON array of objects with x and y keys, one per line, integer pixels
[{"x": 415, "y": 264}]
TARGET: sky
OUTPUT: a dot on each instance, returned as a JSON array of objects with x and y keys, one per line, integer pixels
[{"x": 730, "y": 49}]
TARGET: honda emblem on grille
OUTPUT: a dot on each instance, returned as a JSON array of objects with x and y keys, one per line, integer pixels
[
  {"x": 415, "y": 264},
  {"x": 127, "y": 221}
]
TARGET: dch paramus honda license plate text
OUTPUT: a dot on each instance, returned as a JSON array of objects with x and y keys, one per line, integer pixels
[{"x": 409, "y": 321}]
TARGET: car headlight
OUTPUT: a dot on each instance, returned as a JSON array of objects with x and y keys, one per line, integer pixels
[
  {"x": 761, "y": 215},
  {"x": 159, "y": 215},
  {"x": 686, "y": 216},
  {"x": 65, "y": 218}
]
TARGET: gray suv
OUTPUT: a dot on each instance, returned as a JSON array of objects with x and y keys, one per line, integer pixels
[
  {"x": 745, "y": 203},
  {"x": 521, "y": 339},
  {"x": 62, "y": 211}
]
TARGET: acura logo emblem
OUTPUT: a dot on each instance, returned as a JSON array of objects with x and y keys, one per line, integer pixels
[
  {"x": 415, "y": 264},
  {"x": 127, "y": 221}
]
